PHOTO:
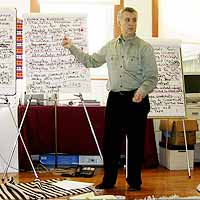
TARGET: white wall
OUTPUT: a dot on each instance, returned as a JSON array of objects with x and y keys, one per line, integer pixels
[
  {"x": 22, "y": 6},
  {"x": 8, "y": 135},
  {"x": 182, "y": 24},
  {"x": 144, "y": 8},
  {"x": 179, "y": 19}
]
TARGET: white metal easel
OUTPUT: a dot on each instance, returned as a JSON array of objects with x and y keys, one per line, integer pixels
[
  {"x": 80, "y": 97},
  {"x": 187, "y": 154},
  {"x": 90, "y": 124},
  {"x": 4, "y": 177}
]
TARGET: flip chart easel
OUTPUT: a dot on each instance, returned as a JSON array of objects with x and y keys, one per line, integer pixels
[
  {"x": 168, "y": 100},
  {"x": 4, "y": 177},
  {"x": 80, "y": 97},
  {"x": 8, "y": 18},
  {"x": 90, "y": 124},
  {"x": 8, "y": 51},
  {"x": 50, "y": 68}
]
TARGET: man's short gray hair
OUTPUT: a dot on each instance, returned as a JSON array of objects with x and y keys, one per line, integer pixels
[{"x": 126, "y": 9}]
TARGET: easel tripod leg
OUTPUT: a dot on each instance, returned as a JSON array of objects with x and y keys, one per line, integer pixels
[
  {"x": 15, "y": 144},
  {"x": 186, "y": 148},
  {"x": 91, "y": 127}
]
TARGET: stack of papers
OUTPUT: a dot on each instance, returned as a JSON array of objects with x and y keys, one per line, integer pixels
[
  {"x": 91, "y": 196},
  {"x": 72, "y": 185},
  {"x": 69, "y": 185}
]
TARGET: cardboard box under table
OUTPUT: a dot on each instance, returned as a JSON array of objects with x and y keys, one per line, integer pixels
[
  {"x": 174, "y": 157},
  {"x": 173, "y": 130}
]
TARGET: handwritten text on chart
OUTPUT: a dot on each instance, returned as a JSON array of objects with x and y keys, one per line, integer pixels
[
  {"x": 7, "y": 50},
  {"x": 51, "y": 68},
  {"x": 168, "y": 97}
]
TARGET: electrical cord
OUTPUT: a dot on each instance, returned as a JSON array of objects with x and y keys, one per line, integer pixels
[{"x": 40, "y": 167}]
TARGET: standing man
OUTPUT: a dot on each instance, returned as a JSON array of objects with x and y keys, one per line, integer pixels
[{"x": 133, "y": 75}]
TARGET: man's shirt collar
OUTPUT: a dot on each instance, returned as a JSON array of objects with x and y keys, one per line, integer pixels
[{"x": 120, "y": 39}]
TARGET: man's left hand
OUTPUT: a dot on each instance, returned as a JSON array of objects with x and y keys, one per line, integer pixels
[{"x": 137, "y": 98}]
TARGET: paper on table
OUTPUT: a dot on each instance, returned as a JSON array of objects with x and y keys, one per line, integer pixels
[
  {"x": 87, "y": 196},
  {"x": 104, "y": 197},
  {"x": 91, "y": 196},
  {"x": 69, "y": 185}
]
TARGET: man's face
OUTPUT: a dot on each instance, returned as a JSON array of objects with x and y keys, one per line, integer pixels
[{"x": 128, "y": 24}]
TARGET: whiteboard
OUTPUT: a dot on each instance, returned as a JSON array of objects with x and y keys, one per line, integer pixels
[
  {"x": 49, "y": 67},
  {"x": 168, "y": 99},
  {"x": 8, "y": 51}
]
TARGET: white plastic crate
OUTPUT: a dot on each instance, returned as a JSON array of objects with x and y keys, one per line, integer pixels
[{"x": 176, "y": 159}]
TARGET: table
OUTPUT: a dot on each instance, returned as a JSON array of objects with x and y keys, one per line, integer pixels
[{"x": 74, "y": 135}]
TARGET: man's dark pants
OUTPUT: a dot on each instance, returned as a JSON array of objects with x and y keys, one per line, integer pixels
[{"x": 124, "y": 117}]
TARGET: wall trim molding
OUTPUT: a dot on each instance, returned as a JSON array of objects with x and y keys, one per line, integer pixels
[{"x": 155, "y": 13}]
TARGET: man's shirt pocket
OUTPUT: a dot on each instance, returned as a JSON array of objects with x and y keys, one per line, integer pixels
[{"x": 133, "y": 64}]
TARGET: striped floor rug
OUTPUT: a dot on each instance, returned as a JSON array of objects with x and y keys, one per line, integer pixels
[{"x": 36, "y": 190}]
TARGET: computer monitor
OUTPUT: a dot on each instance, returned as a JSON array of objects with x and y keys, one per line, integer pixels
[{"x": 192, "y": 87}]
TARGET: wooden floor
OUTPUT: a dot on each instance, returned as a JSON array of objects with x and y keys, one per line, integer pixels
[{"x": 158, "y": 182}]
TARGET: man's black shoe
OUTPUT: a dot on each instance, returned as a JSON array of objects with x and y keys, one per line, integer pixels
[
  {"x": 134, "y": 188},
  {"x": 104, "y": 186}
]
